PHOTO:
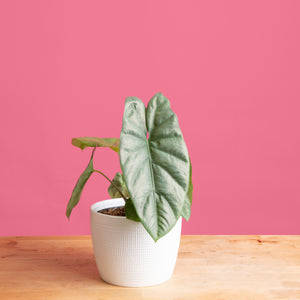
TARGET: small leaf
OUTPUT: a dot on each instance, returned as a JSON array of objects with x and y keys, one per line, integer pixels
[
  {"x": 130, "y": 211},
  {"x": 84, "y": 142},
  {"x": 80, "y": 185},
  {"x": 186, "y": 210},
  {"x": 121, "y": 185}
]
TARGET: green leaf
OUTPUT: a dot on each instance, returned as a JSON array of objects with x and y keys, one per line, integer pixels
[
  {"x": 113, "y": 192},
  {"x": 156, "y": 170},
  {"x": 191, "y": 188},
  {"x": 80, "y": 185},
  {"x": 186, "y": 210},
  {"x": 121, "y": 185},
  {"x": 84, "y": 142},
  {"x": 130, "y": 211}
]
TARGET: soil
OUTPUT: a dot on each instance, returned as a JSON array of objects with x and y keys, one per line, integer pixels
[{"x": 113, "y": 211}]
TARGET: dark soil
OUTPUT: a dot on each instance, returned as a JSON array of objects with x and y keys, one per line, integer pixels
[{"x": 113, "y": 211}]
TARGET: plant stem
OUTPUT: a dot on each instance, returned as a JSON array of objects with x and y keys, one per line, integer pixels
[{"x": 112, "y": 184}]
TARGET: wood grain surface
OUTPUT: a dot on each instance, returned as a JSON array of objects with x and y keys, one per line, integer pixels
[{"x": 208, "y": 267}]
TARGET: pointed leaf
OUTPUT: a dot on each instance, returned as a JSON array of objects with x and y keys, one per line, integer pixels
[
  {"x": 80, "y": 185},
  {"x": 84, "y": 142},
  {"x": 156, "y": 170},
  {"x": 121, "y": 185}
]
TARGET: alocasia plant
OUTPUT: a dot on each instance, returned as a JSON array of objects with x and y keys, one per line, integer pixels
[{"x": 156, "y": 183}]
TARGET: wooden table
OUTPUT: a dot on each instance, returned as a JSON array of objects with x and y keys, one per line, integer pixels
[{"x": 208, "y": 267}]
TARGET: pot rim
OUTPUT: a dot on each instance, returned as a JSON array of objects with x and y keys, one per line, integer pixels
[{"x": 103, "y": 204}]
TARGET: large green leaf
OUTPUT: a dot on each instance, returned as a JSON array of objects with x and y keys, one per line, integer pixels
[
  {"x": 80, "y": 185},
  {"x": 120, "y": 184},
  {"x": 186, "y": 210},
  {"x": 156, "y": 170},
  {"x": 84, "y": 142}
]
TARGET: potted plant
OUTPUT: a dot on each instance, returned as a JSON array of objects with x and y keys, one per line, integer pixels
[{"x": 136, "y": 234}]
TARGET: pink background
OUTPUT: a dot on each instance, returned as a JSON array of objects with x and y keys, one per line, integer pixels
[{"x": 230, "y": 68}]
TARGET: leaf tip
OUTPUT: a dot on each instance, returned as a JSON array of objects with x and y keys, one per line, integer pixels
[
  {"x": 75, "y": 142},
  {"x": 68, "y": 214}
]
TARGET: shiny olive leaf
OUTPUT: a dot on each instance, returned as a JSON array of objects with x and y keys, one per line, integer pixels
[
  {"x": 121, "y": 185},
  {"x": 156, "y": 170},
  {"x": 84, "y": 142},
  {"x": 186, "y": 210},
  {"x": 80, "y": 185},
  {"x": 130, "y": 211}
]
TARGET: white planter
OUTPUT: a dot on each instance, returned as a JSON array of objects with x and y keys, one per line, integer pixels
[{"x": 125, "y": 253}]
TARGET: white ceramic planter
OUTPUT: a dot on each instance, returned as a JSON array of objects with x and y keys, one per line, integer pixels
[{"x": 125, "y": 253}]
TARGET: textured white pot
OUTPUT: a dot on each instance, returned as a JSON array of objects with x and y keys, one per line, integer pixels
[{"x": 125, "y": 253}]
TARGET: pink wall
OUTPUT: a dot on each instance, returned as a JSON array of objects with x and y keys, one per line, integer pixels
[{"x": 230, "y": 68}]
